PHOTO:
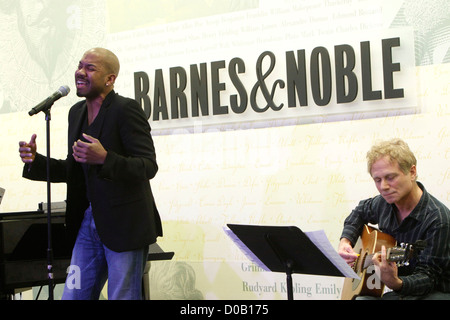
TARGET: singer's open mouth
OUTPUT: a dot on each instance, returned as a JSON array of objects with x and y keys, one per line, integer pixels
[{"x": 81, "y": 83}]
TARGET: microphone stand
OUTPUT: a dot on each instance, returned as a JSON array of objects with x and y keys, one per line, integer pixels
[
  {"x": 49, "y": 209},
  {"x": 45, "y": 107}
]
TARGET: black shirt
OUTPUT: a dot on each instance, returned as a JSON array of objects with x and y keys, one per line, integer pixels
[{"x": 89, "y": 129}]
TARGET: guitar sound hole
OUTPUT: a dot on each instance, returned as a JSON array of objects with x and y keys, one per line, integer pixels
[{"x": 357, "y": 265}]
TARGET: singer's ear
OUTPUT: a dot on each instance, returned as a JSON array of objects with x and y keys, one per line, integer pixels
[{"x": 111, "y": 79}]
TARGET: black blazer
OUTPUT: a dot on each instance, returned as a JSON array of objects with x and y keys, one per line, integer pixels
[{"x": 122, "y": 202}]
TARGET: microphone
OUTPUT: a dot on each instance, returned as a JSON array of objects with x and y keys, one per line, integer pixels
[{"x": 47, "y": 103}]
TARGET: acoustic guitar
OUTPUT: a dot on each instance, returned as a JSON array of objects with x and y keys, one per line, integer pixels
[{"x": 369, "y": 243}]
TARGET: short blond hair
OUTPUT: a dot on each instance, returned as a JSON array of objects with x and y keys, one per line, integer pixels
[{"x": 396, "y": 149}]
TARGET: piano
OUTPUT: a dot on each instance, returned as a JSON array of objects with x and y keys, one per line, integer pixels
[{"x": 23, "y": 249}]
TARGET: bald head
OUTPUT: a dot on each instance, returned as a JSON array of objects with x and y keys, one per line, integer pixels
[{"x": 109, "y": 59}]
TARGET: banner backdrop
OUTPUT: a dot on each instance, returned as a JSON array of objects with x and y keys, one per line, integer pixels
[{"x": 261, "y": 111}]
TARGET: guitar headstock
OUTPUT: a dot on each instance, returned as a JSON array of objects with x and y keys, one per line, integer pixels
[{"x": 403, "y": 253}]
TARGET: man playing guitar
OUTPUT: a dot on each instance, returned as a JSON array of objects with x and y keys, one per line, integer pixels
[{"x": 408, "y": 213}]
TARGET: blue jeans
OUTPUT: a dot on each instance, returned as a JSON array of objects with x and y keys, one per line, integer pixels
[{"x": 93, "y": 263}]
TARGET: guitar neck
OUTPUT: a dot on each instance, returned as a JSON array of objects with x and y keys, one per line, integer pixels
[{"x": 389, "y": 257}]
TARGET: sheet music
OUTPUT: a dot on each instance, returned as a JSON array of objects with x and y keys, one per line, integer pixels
[
  {"x": 321, "y": 241},
  {"x": 250, "y": 255}
]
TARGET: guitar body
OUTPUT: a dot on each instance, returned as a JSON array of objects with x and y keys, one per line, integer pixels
[{"x": 370, "y": 242}]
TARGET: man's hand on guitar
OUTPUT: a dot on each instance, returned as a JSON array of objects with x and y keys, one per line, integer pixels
[
  {"x": 345, "y": 250},
  {"x": 388, "y": 270}
]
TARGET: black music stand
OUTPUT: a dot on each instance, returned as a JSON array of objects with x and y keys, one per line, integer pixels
[
  {"x": 155, "y": 253},
  {"x": 285, "y": 249}
]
